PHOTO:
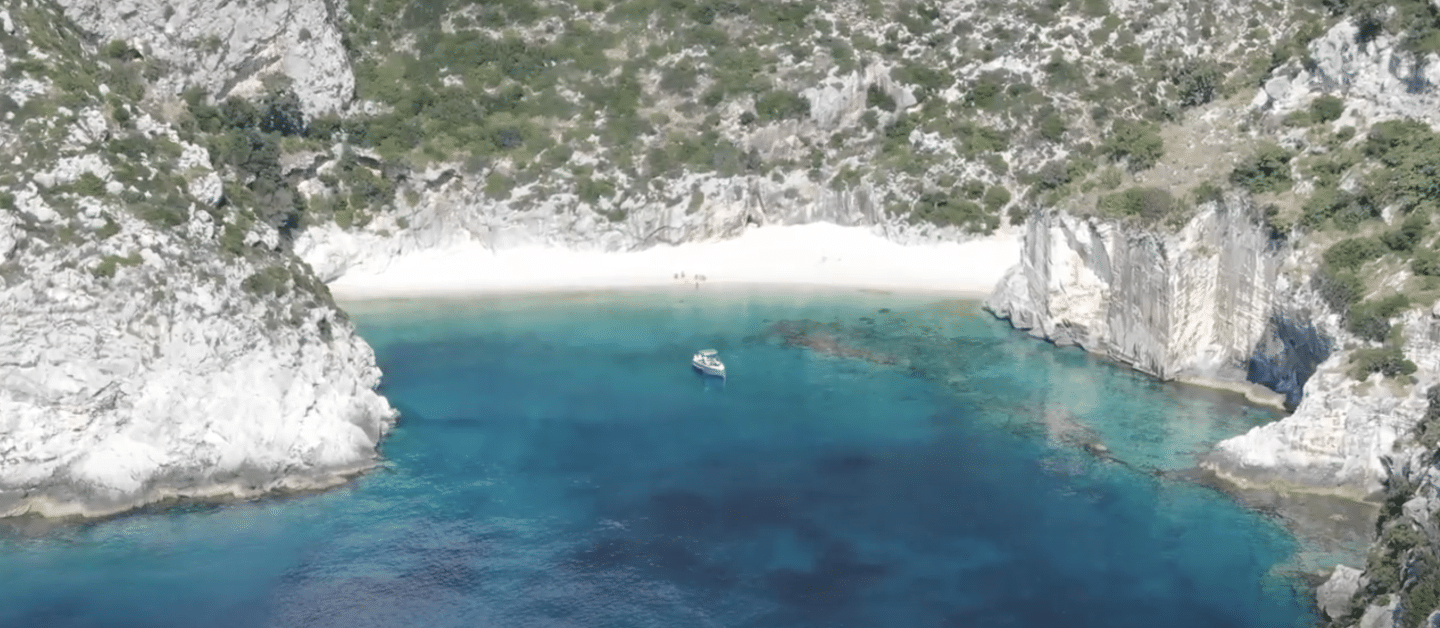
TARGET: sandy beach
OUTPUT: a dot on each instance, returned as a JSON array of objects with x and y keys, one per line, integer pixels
[{"x": 820, "y": 254}]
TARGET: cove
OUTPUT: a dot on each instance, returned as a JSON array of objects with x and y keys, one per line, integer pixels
[{"x": 874, "y": 459}]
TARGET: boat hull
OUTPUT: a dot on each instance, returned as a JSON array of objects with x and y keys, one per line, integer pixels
[{"x": 705, "y": 370}]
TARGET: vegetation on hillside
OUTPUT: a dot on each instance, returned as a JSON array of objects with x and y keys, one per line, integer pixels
[
  {"x": 522, "y": 91},
  {"x": 92, "y": 107}
]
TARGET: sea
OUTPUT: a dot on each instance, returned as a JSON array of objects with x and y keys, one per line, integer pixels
[{"x": 872, "y": 460}]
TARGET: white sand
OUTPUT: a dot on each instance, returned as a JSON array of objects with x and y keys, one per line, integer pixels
[{"x": 819, "y": 254}]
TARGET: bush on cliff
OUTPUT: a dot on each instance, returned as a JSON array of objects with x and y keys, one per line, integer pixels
[
  {"x": 1410, "y": 152},
  {"x": 1426, "y": 263},
  {"x": 1408, "y": 234},
  {"x": 1371, "y": 319},
  {"x": 1428, "y": 431},
  {"x": 1145, "y": 202},
  {"x": 1352, "y": 253},
  {"x": 1268, "y": 170},
  {"x": 1326, "y": 108},
  {"x": 1138, "y": 143},
  {"x": 1197, "y": 80},
  {"x": 1387, "y": 361},
  {"x": 1339, "y": 289}
]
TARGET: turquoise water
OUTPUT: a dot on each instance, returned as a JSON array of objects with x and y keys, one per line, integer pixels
[{"x": 873, "y": 460}]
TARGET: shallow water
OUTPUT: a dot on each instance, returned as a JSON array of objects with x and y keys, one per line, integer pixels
[{"x": 559, "y": 464}]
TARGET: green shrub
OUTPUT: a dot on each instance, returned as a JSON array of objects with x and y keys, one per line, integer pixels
[
  {"x": 592, "y": 190},
  {"x": 1197, "y": 81},
  {"x": 876, "y": 97},
  {"x": 1207, "y": 192},
  {"x": 1371, "y": 319},
  {"x": 1137, "y": 142},
  {"x": 1388, "y": 361},
  {"x": 1410, "y": 152},
  {"x": 1339, "y": 289},
  {"x": 1423, "y": 595},
  {"x": 89, "y": 185},
  {"x": 1329, "y": 204},
  {"x": 680, "y": 78},
  {"x": 1408, "y": 234},
  {"x": 1149, "y": 203},
  {"x": 1327, "y": 108},
  {"x": 110, "y": 263},
  {"x": 105, "y": 269},
  {"x": 1052, "y": 127},
  {"x": 1268, "y": 170},
  {"x": 926, "y": 80},
  {"x": 996, "y": 197},
  {"x": 273, "y": 280},
  {"x": 779, "y": 105},
  {"x": 1426, "y": 263},
  {"x": 497, "y": 185},
  {"x": 1277, "y": 227},
  {"x": 987, "y": 93},
  {"x": 1352, "y": 253},
  {"x": 166, "y": 214},
  {"x": 946, "y": 210},
  {"x": 1299, "y": 119},
  {"x": 108, "y": 230}
]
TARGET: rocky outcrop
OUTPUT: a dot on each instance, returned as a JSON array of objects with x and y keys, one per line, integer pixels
[
  {"x": 1334, "y": 596},
  {"x": 1377, "y": 77},
  {"x": 152, "y": 343},
  {"x": 1191, "y": 304},
  {"x": 228, "y": 47},
  {"x": 1218, "y": 301},
  {"x": 1339, "y": 437},
  {"x": 141, "y": 367}
]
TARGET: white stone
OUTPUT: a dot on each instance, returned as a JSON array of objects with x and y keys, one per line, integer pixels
[
  {"x": 1334, "y": 596},
  {"x": 298, "y": 38}
]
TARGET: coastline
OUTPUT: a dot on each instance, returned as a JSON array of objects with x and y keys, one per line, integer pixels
[
  {"x": 817, "y": 255},
  {"x": 1252, "y": 392},
  {"x": 47, "y": 506}
]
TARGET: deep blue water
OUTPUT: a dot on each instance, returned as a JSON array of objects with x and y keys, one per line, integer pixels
[{"x": 559, "y": 464}]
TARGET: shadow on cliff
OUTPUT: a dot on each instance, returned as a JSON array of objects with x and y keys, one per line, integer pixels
[{"x": 1287, "y": 355}]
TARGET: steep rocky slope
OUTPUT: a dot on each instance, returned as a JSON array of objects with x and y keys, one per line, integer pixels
[
  {"x": 184, "y": 176},
  {"x": 1264, "y": 287},
  {"x": 638, "y": 122},
  {"x": 154, "y": 341}
]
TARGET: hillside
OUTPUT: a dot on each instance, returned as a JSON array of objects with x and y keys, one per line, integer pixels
[{"x": 224, "y": 174}]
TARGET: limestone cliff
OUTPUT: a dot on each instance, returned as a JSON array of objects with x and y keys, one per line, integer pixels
[
  {"x": 1190, "y": 304},
  {"x": 1218, "y": 298},
  {"x": 156, "y": 340},
  {"x": 1211, "y": 303}
]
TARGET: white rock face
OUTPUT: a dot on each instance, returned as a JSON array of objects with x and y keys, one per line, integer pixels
[
  {"x": 226, "y": 47},
  {"x": 1377, "y": 79},
  {"x": 169, "y": 379},
  {"x": 140, "y": 362},
  {"x": 1192, "y": 304},
  {"x": 1216, "y": 302},
  {"x": 1334, "y": 596},
  {"x": 1340, "y": 436}
]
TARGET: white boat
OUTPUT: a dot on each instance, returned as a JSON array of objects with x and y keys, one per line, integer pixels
[{"x": 707, "y": 361}]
